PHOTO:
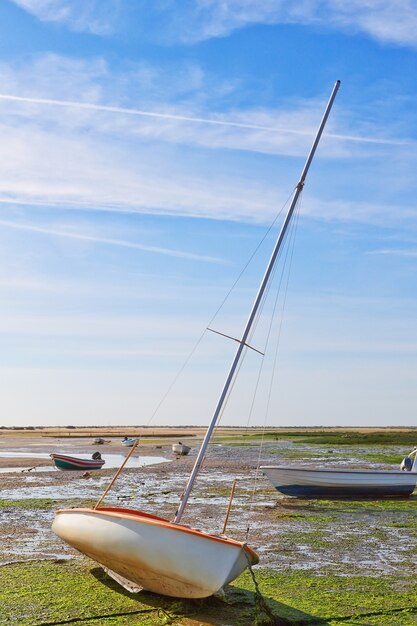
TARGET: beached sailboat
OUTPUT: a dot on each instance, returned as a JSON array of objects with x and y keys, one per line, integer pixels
[
  {"x": 310, "y": 482},
  {"x": 66, "y": 462},
  {"x": 141, "y": 550}
]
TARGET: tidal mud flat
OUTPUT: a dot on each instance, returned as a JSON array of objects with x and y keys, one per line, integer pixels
[{"x": 322, "y": 561}]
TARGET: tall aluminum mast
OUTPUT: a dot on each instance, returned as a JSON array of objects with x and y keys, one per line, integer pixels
[{"x": 255, "y": 307}]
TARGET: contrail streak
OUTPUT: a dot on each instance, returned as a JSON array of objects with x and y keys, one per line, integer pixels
[
  {"x": 112, "y": 242},
  {"x": 396, "y": 252},
  {"x": 186, "y": 118}
]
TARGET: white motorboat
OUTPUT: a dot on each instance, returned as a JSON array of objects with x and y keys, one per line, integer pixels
[{"x": 310, "y": 482}]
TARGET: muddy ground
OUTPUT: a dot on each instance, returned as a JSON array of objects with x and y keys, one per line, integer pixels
[{"x": 351, "y": 538}]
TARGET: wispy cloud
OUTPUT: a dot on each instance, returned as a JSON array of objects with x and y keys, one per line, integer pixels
[
  {"x": 382, "y": 213},
  {"x": 379, "y": 19},
  {"x": 197, "y": 120},
  {"x": 395, "y": 252},
  {"x": 110, "y": 242},
  {"x": 165, "y": 158},
  {"x": 174, "y": 116},
  {"x": 95, "y": 16},
  {"x": 195, "y": 21}
]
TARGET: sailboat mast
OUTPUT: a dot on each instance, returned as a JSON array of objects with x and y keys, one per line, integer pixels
[{"x": 255, "y": 307}]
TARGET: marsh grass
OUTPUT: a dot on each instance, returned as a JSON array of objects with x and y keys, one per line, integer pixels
[{"x": 387, "y": 437}]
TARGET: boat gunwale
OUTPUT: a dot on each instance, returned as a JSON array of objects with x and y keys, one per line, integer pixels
[
  {"x": 160, "y": 521},
  {"x": 54, "y": 455}
]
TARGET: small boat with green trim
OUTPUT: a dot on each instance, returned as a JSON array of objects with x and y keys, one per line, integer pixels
[{"x": 65, "y": 462}]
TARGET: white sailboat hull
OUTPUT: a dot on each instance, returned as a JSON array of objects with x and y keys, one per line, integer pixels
[
  {"x": 156, "y": 554},
  {"x": 153, "y": 553},
  {"x": 311, "y": 483}
]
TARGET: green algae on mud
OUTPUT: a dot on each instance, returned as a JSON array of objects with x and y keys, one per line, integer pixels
[
  {"x": 28, "y": 503},
  {"x": 384, "y": 504},
  {"x": 361, "y": 600},
  {"x": 78, "y": 592},
  {"x": 41, "y": 592}
]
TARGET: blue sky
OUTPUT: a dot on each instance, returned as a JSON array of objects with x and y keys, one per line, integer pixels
[{"x": 145, "y": 150}]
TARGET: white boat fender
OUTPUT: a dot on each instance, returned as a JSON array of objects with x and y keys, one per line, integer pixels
[{"x": 406, "y": 464}]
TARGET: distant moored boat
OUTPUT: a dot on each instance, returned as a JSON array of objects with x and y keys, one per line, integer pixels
[
  {"x": 305, "y": 482},
  {"x": 180, "y": 448},
  {"x": 65, "y": 462},
  {"x": 129, "y": 441}
]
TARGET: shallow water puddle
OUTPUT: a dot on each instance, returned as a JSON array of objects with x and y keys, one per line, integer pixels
[
  {"x": 8, "y": 470},
  {"x": 112, "y": 461}
]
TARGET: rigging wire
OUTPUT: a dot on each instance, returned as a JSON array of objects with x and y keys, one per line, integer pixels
[
  {"x": 288, "y": 238},
  {"x": 251, "y": 335},
  {"x": 200, "y": 338},
  {"x": 249, "y": 261},
  {"x": 290, "y": 254},
  {"x": 274, "y": 369},
  {"x": 272, "y": 317},
  {"x": 254, "y": 326},
  {"x": 286, "y": 265}
]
